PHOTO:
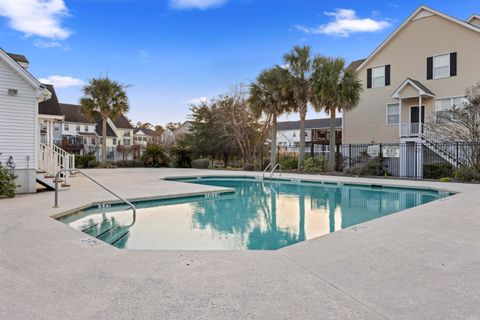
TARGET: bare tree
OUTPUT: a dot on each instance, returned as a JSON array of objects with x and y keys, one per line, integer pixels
[{"x": 463, "y": 125}]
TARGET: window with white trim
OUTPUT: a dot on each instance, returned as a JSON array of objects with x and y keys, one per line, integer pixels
[
  {"x": 378, "y": 77},
  {"x": 393, "y": 114},
  {"x": 66, "y": 127},
  {"x": 443, "y": 108},
  {"x": 441, "y": 66}
]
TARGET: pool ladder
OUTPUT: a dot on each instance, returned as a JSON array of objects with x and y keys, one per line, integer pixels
[
  {"x": 57, "y": 177},
  {"x": 272, "y": 171}
]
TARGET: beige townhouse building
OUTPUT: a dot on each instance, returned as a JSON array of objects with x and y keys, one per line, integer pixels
[{"x": 412, "y": 79}]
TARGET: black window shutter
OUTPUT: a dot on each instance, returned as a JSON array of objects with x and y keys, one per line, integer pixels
[
  {"x": 453, "y": 64},
  {"x": 369, "y": 78},
  {"x": 429, "y": 68},
  {"x": 387, "y": 75}
]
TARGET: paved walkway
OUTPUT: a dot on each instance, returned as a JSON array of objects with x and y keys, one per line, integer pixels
[{"x": 423, "y": 263}]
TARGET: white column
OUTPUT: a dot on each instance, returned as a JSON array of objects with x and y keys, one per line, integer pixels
[
  {"x": 419, "y": 161},
  {"x": 400, "y": 117}
]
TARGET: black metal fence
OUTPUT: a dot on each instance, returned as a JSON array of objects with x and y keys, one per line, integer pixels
[{"x": 406, "y": 160}]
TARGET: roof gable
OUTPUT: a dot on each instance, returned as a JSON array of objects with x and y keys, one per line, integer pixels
[
  {"x": 474, "y": 20},
  {"x": 42, "y": 93},
  {"x": 421, "y": 13}
]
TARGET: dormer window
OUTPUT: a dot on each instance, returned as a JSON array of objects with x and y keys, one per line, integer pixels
[{"x": 378, "y": 76}]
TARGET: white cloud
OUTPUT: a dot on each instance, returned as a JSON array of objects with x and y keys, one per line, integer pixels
[
  {"x": 47, "y": 44},
  {"x": 346, "y": 22},
  {"x": 196, "y": 4},
  {"x": 62, "y": 81},
  {"x": 41, "y": 18},
  {"x": 198, "y": 100}
]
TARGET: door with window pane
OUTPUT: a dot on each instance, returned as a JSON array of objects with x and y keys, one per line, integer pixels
[{"x": 417, "y": 119}]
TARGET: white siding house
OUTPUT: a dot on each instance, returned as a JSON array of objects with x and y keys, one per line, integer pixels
[{"x": 20, "y": 94}]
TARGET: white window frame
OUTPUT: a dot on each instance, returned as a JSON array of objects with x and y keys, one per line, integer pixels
[
  {"x": 66, "y": 127},
  {"x": 380, "y": 77},
  {"x": 78, "y": 128},
  {"x": 448, "y": 65},
  {"x": 451, "y": 105},
  {"x": 387, "y": 114}
]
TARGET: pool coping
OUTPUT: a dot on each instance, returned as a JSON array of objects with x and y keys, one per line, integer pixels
[{"x": 372, "y": 273}]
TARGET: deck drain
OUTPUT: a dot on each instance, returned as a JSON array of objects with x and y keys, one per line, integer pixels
[{"x": 90, "y": 242}]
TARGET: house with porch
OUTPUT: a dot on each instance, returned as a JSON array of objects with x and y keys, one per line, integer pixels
[
  {"x": 317, "y": 134},
  {"x": 79, "y": 135},
  {"x": 144, "y": 136},
  {"x": 23, "y": 124},
  {"x": 411, "y": 81}
]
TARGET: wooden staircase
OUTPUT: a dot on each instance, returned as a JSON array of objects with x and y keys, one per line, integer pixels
[{"x": 51, "y": 160}]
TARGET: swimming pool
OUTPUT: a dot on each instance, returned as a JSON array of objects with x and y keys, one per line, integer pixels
[{"x": 254, "y": 215}]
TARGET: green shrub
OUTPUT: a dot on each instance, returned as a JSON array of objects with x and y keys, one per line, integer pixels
[
  {"x": 289, "y": 162},
  {"x": 200, "y": 163},
  {"x": 314, "y": 165},
  {"x": 437, "y": 171},
  {"x": 445, "y": 179},
  {"x": 183, "y": 157},
  {"x": 155, "y": 156},
  {"x": 373, "y": 167},
  {"x": 129, "y": 163},
  {"x": 106, "y": 165},
  {"x": 83, "y": 160},
  {"x": 7, "y": 182},
  {"x": 93, "y": 164},
  {"x": 467, "y": 174}
]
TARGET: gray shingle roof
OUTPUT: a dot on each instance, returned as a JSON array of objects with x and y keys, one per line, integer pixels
[
  {"x": 122, "y": 122},
  {"x": 72, "y": 113},
  {"x": 50, "y": 106},
  {"x": 421, "y": 86},
  {"x": 309, "y": 124},
  {"x": 18, "y": 57},
  {"x": 355, "y": 64}
]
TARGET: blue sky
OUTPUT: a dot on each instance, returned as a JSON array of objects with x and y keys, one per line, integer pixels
[{"x": 173, "y": 52}]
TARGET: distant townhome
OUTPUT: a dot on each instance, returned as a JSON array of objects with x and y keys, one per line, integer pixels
[
  {"x": 317, "y": 131},
  {"x": 411, "y": 81},
  {"x": 182, "y": 130},
  {"x": 142, "y": 136},
  {"x": 79, "y": 134},
  {"x": 167, "y": 137}
]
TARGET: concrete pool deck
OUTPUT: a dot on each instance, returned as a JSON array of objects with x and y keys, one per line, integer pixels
[{"x": 423, "y": 263}]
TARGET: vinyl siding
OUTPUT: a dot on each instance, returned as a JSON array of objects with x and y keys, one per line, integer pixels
[
  {"x": 18, "y": 119},
  {"x": 407, "y": 54}
]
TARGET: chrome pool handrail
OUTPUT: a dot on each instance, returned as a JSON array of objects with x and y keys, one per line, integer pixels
[
  {"x": 273, "y": 170},
  {"x": 57, "y": 176},
  {"x": 264, "y": 171}
]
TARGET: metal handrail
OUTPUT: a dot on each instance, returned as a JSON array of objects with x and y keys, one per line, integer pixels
[
  {"x": 273, "y": 170},
  {"x": 264, "y": 171},
  {"x": 57, "y": 176}
]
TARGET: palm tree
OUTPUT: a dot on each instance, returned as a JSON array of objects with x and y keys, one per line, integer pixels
[
  {"x": 105, "y": 98},
  {"x": 269, "y": 96},
  {"x": 299, "y": 64},
  {"x": 334, "y": 88}
]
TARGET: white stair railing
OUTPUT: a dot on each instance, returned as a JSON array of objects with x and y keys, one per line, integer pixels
[
  {"x": 52, "y": 159},
  {"x": 440, "y": 145}
]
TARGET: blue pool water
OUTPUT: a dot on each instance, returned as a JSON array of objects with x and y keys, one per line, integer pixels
[{"x": 257, "y": 216}]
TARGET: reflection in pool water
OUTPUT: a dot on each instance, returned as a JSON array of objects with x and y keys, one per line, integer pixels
[{"x": 259, "y": 216}]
